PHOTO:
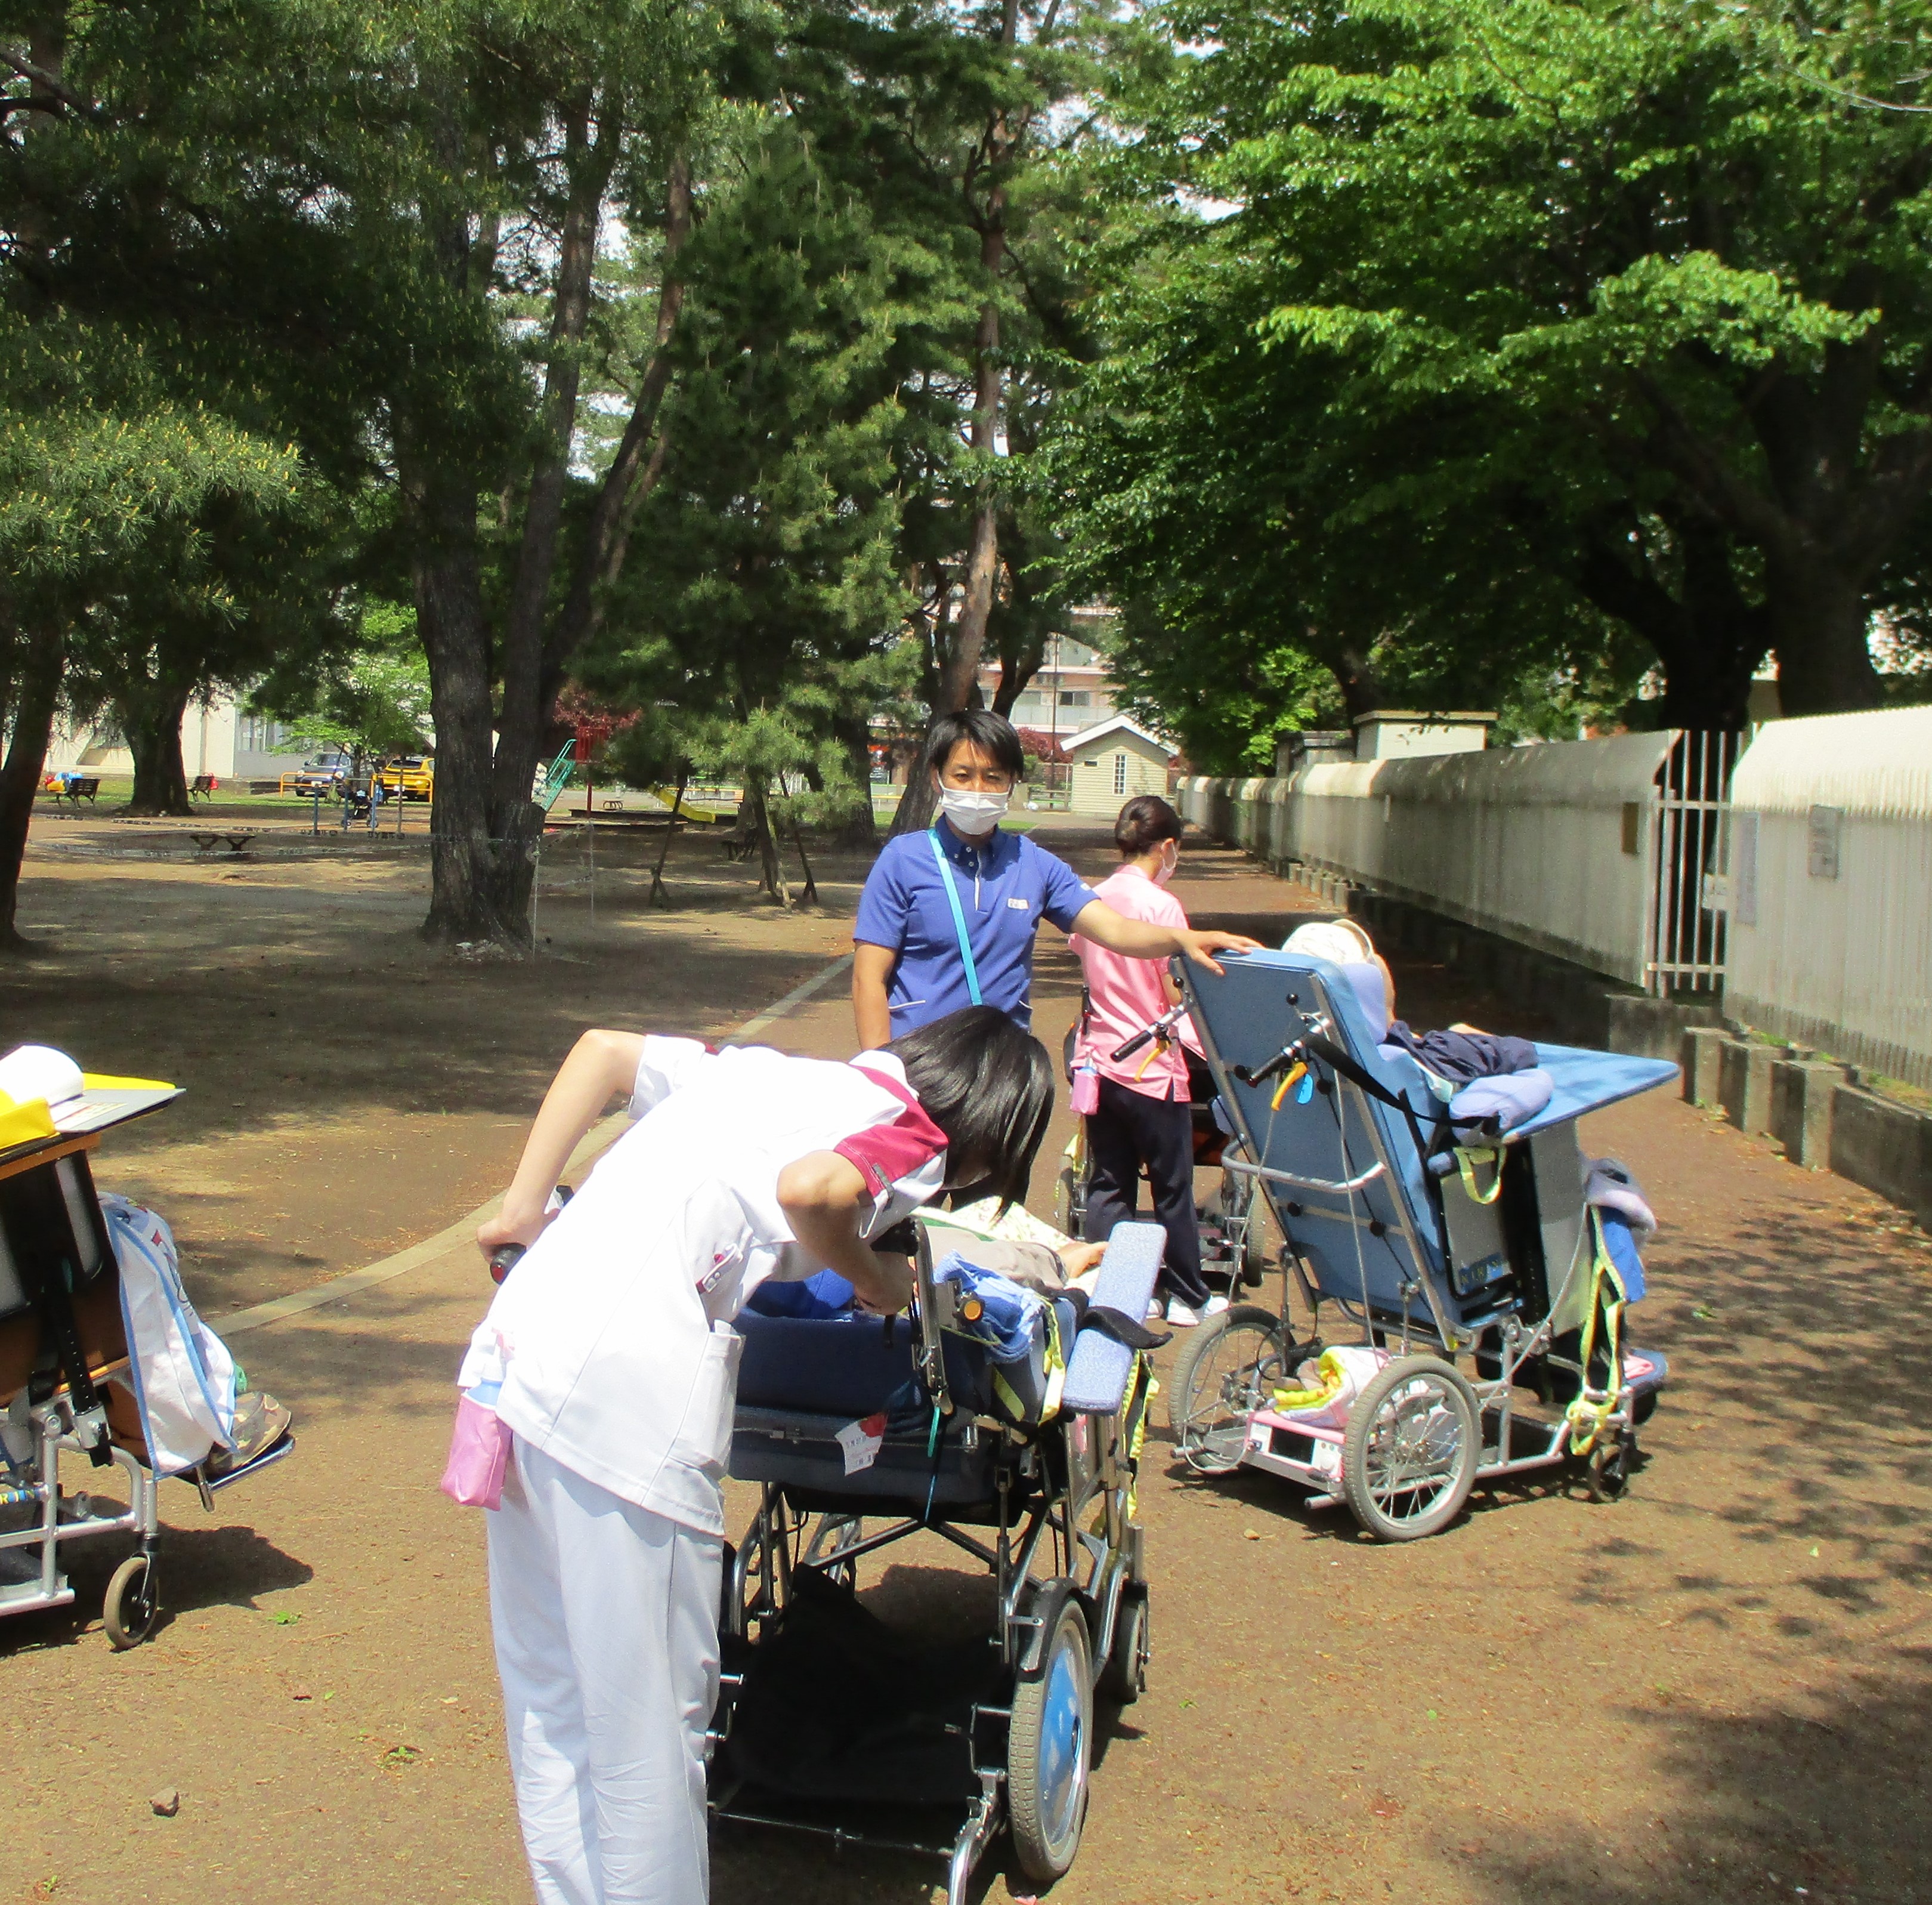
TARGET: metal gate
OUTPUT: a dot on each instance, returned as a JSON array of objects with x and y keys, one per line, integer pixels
[{"x": 1689, "y": 845}]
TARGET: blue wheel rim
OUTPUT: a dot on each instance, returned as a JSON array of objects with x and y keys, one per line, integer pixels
[{"x": 1063, "y": 1754}]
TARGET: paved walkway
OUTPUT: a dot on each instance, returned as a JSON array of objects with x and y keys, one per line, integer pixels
[{"x": 1716, "y": 1690}]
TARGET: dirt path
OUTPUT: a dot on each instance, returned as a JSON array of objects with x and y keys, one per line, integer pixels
[{"x": 1714, "y": 1689}]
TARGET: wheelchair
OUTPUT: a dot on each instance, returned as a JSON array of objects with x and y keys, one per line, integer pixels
[
  {"x": 68, "y": 1386},
  {"x": 1489, "y": 1295},
  {"x": 863, "y": 1432}
]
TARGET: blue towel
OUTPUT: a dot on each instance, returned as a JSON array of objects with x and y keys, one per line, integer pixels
[
  {"x": 827, "y": 1293},
  {"x": 1512, "y": 1099},
  {"x": 1623, "y": 1252},
  {"x": 1011, "y": 1319}
]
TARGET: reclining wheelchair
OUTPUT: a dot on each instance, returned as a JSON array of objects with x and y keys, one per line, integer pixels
[{"x": 1467, "y": 1258}]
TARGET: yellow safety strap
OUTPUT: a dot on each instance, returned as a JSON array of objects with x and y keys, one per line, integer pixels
[
  {"x": 1465, "y": 1164},
  {"x": 1586, "y": 1418}
]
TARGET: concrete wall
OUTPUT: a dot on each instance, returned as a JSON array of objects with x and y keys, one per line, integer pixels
[
  {"x": 1528, "y": 842},
  {"x": 1830, "y": 889}
]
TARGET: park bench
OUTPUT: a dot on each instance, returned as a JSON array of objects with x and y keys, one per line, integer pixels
[
  {"x": 202, "y": 786},
  {"x": 207, "y": 843},
  {"x": 76, "y": 788}
]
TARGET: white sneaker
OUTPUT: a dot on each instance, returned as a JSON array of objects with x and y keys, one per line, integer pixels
[
  {"x": 1183, "y": 1316},
  {"x": 1154, "y": 1312},
  {"x": 1216, "y": 1305}
]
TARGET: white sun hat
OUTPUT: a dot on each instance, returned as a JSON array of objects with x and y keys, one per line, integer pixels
[{"x": 1341, "y": 942}]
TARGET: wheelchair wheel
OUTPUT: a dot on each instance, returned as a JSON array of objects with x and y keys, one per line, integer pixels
[
  {"x": 1607, "y": 1472},
  {"x": 1231, "y": 1366},
  {"x": 1070, "y": 1201},
  {"x": 1409, "y": 1454},
  {"x": 133, "y": 1604},
  {"x": 1244, "y": 1209},
  {"x": 1050, "y": 1740},
  {"x": 1124, "y": 1679}
]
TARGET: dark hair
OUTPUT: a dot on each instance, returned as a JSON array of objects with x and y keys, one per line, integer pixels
[
  {"x": 989, "y": 1086},
  {"x": 1145, "y": 822},
  {"x": 993, "y": 735}
]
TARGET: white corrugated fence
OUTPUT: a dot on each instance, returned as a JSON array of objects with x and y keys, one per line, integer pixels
[{"x": 1830, "y": 889}]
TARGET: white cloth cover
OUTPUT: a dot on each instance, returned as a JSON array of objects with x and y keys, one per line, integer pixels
[
  {"x": 605, "y": 1617},
  {"x": 181, "y": 1372}
]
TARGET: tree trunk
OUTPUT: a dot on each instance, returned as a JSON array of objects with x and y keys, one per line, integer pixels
[
  {"x": 1818, "y": 628},
  {"x": 1709, "y": 637},
  {"x": 770, "y": 865},
  {"x": 481, "y": 859},
  {"x": 526, "y": 697},
  {"x": 35, "y": 699},
  {"x": 860, "y": 832},
  {"x": 631, "y": 475},
  {"x": 151, "y": 719}
]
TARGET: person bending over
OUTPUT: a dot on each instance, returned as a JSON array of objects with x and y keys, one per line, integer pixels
[{"x": 612, "y": 1340}]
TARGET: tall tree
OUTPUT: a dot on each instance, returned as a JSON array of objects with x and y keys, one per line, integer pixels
[{"x": 1629, "y": 300}]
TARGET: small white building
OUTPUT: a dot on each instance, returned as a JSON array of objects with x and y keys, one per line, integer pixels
[
  {"x": 1111, "y": 762},
  {"x": 218, "y": 738}
]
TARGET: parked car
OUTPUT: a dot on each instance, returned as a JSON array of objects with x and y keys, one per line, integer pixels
[
  {"x": 323, "y": 775},
  {"x": 413, "y": 775}
]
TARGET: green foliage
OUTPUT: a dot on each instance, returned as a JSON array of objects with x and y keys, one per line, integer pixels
[
  {"x": 372, "y": 696},
  {"x": 1504, "y": 327}
]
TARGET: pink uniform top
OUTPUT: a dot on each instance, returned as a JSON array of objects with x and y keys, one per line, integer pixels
[{"x": 1127, "y": 994}]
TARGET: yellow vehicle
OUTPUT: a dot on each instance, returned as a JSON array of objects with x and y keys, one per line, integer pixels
[{"x": 412, "y": 775}]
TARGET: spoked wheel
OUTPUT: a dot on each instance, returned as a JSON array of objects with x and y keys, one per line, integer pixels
[
  {"x": 1409, "y": 1454},
  {"x": 834, "y": 1535},
  {"x": 133, "y": 1604},
  {"x": 1050, "y": 1739},
  {"x": 1231, "y": 1366},
  {"x": 1124, "y": 1679}
]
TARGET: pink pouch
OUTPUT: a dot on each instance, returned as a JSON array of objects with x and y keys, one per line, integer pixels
[
  {"x": 479, "y": 1453},
  {"x": 1085, "y": 1096}
]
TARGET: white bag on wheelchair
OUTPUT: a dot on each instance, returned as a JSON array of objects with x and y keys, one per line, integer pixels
[{"x": 181, "y": 1372}]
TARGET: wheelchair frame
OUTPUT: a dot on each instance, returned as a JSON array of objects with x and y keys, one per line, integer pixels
[{"x": 1098, "y": 1569}]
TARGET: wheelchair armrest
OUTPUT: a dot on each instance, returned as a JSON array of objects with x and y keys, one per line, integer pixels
[{"x": 1097, "y": 1372}]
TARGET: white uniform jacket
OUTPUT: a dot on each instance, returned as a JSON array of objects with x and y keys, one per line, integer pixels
[{"x": 612, "y": 1336}]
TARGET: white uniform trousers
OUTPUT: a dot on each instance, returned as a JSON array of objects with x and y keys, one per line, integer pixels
[{"x": 605, "y": 1617}]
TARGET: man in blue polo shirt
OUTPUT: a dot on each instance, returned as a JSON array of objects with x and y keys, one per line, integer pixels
[{"x": 948, "y": 916}]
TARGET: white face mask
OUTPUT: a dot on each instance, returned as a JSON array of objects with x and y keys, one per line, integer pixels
[
  {"x": 972, "y": 814},
  {"x": 1165, "y": 871}
]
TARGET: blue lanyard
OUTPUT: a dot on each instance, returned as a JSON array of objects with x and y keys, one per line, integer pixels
[{"x": 958, "y": 917}]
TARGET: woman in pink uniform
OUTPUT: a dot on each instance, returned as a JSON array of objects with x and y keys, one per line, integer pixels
[{"x": 1142, "y": 1117}]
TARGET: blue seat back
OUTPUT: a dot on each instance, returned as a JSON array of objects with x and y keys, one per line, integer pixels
[{"x": 1355, "y": 1245}]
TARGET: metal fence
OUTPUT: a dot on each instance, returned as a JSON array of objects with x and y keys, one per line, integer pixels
[{"x": 1687, "y": 855}]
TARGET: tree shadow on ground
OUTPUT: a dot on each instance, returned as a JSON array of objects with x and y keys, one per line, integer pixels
[{"x": 1829, "y": 1801}]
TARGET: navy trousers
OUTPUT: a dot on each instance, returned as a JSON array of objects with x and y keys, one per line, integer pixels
[{"x": 1129, "y": 1130}]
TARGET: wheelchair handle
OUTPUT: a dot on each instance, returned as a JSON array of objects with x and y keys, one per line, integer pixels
[
  {"x": 1158, "y": 1030},
  {"x": 503, "y": 1260}
]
